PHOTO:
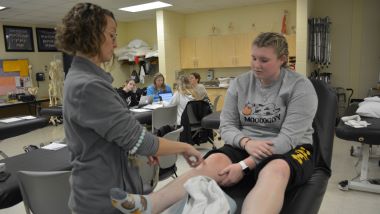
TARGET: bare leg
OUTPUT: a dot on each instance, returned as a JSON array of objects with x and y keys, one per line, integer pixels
[
  {"x": 268, "y": 194},
  {"x": 174, "y": 191}
]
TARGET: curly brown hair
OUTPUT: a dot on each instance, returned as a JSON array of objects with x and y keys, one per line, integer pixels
[{"x": 82, "y": 29}]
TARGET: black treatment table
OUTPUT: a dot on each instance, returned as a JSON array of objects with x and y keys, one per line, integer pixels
[
  {"x": 35, "y": 160},
  {"x": 367, "y": 136}
]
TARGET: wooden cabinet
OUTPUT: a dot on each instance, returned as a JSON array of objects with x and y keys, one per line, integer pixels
[
  {"x": 196, "y": 53},
  {"x": 243, "y": 50},
  {"x": 213, "y": 92},
  {"x": 222, "y": 51},
  {"x": 231, "y": 50}
]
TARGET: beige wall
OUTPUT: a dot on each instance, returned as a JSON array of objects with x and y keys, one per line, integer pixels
[
  {"x": 170, "y": 28},
  {"x": 355, "y": 37},
  {"x": 301, "y": 36},
  {"x": 127, "y": 31},
  {"x": 38, "y": 60}
]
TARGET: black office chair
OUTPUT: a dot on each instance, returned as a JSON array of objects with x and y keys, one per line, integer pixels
[
  {"x": 191, "y": 118},
  {"x": 141, "y": 92},
  {"x": 308, "y": 197}
]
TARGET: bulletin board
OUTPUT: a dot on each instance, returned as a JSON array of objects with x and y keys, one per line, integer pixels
[{"x": 14, "y": 74}]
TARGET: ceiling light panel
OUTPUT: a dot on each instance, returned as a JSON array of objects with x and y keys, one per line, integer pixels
[{"x": 147, "y": 6}]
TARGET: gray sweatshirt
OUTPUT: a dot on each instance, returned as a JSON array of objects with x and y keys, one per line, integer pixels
[
  {"x": 99, "y": 131},
  {"x": 281, "y": 112}
]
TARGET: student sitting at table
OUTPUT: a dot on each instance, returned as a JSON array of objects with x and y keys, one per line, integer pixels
[
  {"x": 158, "y": 87},
  {"x": 185, "y": 93},
  {"x": 195, "y": 78},
  {"x": 128, "y": 93}
]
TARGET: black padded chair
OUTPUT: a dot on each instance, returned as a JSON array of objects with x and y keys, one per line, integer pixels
[
  {"x": 308, "y": 197},
  {"x": 191, "y": 119}
]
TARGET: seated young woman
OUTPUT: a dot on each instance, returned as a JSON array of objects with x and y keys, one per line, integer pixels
[
  {"x": 195, "y": 78},
  {"x": 266, "y": 124},
  {"x": 185, "y": 93},
  {"x": 158, "y": 87},
  {"x": 128, "y": 93}
]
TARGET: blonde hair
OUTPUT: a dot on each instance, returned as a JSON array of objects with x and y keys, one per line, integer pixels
[
  {"x": 184, "y": 87},
  {"x": 276, "y": 41}
]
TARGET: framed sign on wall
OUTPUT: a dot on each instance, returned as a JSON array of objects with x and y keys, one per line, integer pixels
[
  {"x": 18, "y": 39},
  {"x": 46, "y": 39}
]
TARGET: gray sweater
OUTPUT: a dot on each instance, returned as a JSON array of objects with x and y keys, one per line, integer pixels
[
  {"x": 99, "y": 130},
  {"x": 282, "y": 112}
]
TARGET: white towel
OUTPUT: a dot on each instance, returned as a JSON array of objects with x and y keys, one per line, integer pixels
[
  {"x": 355, "y": 121},
  {"x": 142, "y": 75},
  {"x": 204, "y": 197},
  {"x": 370, "y": 107},
  {"x": 372, "y": 99}
]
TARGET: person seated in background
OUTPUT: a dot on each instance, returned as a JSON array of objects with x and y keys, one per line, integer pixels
[
  {"x": 158, "y": 87},
  {"x": 128, "y": 93},
  {"x": 266, "y": 124},
  {"x": 195, "y": 78},
  {"x": 185, "y": 93}
]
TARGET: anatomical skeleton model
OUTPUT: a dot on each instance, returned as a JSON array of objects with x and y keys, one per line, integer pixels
[{"x": 55, "y": 86}]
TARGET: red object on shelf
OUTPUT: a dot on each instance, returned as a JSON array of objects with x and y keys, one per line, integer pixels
[{"x": 137, "y": 60}]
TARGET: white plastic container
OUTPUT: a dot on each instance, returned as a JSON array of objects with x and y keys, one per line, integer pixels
[{"x": 224, "y": 82}]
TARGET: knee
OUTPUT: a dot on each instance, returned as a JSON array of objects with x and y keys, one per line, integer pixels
[
  {"x": 277, "y": 168},
  {"x": 214, "y": 162}
]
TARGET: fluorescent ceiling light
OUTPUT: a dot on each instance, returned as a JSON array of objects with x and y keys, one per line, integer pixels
[
  {"x": 2, "y": 8},
  {"x": 147, "y": 6}
]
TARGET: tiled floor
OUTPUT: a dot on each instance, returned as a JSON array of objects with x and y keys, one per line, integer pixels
[{"x": 335, "y": 201}]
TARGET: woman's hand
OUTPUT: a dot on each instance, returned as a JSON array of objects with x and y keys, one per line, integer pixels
[
  {"x": 192, "y": 156},
  {"x": 232, "y": 174},
  {"x": 259, "y": 148},
  {"x": 153, "y": 160}
]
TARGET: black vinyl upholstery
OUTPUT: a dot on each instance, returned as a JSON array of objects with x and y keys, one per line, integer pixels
[
  {"x": 191, "y": 119},
  {"x": 36, "y": 160},
  {"x": 368, "y": 135},
  {"x": 308, "y": 197},
  {"x": 52, "y": 111},
  {"x": 8, "y": 130}
]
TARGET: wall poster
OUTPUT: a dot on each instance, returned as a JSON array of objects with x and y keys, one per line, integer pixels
[
  {"x": 18, "y": 39},
  {"x": 46, "y": 39}
]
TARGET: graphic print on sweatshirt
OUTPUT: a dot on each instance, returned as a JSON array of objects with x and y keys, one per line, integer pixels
[{"x": 261, "y": 113}]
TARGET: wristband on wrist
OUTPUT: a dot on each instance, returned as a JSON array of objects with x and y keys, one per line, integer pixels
[
  {"x": 244, "y": 167},
  {"x": 244, "y": 141}
]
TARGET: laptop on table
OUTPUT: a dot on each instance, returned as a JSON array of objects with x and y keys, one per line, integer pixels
[{"x": 145, "y": 100}]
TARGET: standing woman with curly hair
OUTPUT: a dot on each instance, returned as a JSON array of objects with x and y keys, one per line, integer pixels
[{"x": 102, "y": 135}]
